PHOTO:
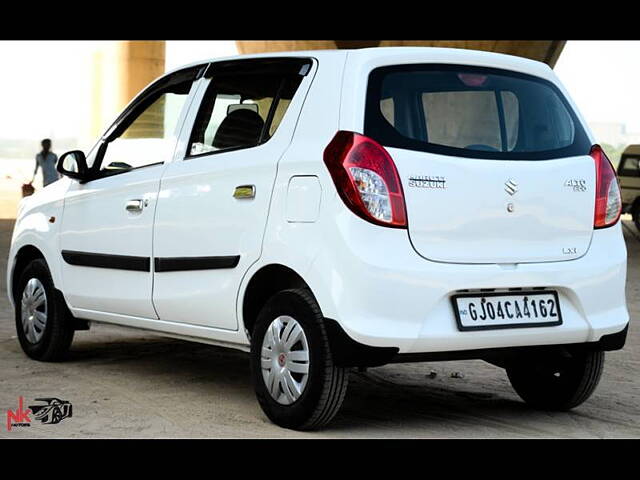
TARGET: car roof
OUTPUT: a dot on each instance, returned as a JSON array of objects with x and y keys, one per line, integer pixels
[
  {"x": 405, "y": 55},
  {"x": 297, "y": 53}
]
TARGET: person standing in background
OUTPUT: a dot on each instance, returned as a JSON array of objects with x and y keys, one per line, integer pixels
[{"x": 46, "y": 160}]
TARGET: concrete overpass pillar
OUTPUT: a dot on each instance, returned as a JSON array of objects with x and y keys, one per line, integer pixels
[{"x": 120, "y": 70}]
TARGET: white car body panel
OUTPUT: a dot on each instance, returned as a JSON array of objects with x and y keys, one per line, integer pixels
[
  {"x": 33, "y": 227},
  {"x": 494, "y": 227},
  {"x": 114, "y": 231},
  {"x": 196, "y": 203},
  {"x": 368, "y": 278}
]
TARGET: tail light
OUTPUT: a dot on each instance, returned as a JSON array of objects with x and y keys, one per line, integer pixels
[
  {"x": 608, "y": 199},
  {"x": 366, "y": 179}
]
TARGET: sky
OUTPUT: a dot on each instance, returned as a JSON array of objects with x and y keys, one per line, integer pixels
[
  {"x": 44, "y": 83},
  {"x": 603, "y": 78}
]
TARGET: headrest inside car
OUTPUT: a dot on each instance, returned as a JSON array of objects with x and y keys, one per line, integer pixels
[{"x": 240, "y": 128}]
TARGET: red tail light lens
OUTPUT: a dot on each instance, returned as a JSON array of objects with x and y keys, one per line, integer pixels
[
  {"x": 608, "y": 198},
  {"x": 366, "y": 179}
]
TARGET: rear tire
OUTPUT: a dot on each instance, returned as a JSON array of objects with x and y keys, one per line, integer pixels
[
  {"x": 289, "y": 325},
  {"x": 45, "y": 331},
  {"x": 557, "y": 383}
]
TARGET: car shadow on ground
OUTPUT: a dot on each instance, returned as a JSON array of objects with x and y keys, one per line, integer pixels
[
  {"x": 380, "y": 397},
  {"x": 153, "y": 355}
]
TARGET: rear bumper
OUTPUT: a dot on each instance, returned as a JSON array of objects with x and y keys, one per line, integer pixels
[
  {"x": 348, "y": 353},
  {"x": 607, "y": 343},
  {"x": 383, "y": 294}
]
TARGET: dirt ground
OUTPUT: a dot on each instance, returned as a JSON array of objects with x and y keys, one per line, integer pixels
[{"x": 128, "y": 383}]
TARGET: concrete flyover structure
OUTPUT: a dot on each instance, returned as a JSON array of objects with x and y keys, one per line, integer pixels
[
  {"x": 546, "y": 51},
  {"x": 121, "y": 69}
]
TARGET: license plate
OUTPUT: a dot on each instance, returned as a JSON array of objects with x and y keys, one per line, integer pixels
[{"x": 493, "y": 310}]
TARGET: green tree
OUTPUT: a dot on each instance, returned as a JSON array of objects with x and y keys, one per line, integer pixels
[{"x": 613, "y": 153}]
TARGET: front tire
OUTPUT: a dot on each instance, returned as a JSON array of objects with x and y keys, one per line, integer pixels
[
  {"x": 557, "y": 383},
  {"x": 296, "y": 382},
  {"x": 44, "y": 329}
]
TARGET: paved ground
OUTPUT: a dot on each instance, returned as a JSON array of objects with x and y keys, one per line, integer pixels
[{"x": 126, "y": 383}]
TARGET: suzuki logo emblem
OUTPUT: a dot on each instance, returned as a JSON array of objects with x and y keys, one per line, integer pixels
[{"x": 511, "y": 187}]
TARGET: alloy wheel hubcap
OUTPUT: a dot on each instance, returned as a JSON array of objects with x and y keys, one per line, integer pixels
[
  {"x": 285, "y": 360},
  {"x": 34, "y": 310}
]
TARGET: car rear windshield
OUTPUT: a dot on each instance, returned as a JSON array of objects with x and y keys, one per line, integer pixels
[{"x": 474, "y": 112}]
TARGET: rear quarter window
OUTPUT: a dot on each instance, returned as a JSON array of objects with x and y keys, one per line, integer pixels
[{"x": 471, "y": 112}]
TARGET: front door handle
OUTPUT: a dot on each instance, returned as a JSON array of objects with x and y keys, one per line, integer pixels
[{"x": 135, "y": 205}]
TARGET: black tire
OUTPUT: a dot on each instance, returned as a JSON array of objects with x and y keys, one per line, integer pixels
[
  {"x": 557, "y": 383},
  {"x": 326, "y": 385},
  {"x": 58, "y": 331}
]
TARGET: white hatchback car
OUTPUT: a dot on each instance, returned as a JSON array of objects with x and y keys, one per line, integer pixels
[{"x": 335, "y": 209}]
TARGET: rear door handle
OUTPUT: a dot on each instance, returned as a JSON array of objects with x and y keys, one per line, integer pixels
[
  {"x": 135, "y": 205},
  {"x": 244, "y": 191}
]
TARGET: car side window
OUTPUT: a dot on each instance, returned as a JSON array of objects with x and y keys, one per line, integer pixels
[
  {"x": 241, "y": 109},
  {"x": 147, "y": 134},
  {"x": 630, "y": 166}
]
